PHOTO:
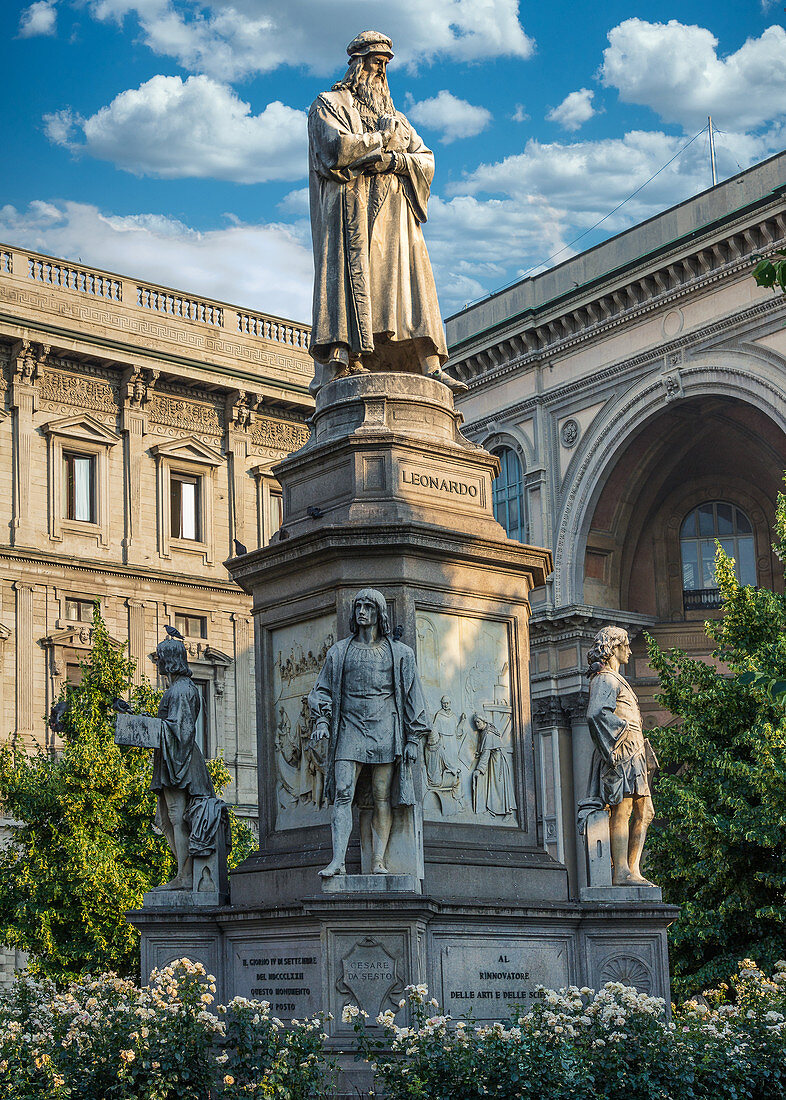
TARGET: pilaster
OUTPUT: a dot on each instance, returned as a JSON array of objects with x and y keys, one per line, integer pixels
[
  {"x": 26, "y": 362},
  {"x": 25, "y": 662},
  {"x": 240, "y": 406},
  {"x": 137, "y": 389}
]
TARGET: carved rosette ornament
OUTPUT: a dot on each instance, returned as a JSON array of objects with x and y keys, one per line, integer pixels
[{"x": 628, "y": 970}]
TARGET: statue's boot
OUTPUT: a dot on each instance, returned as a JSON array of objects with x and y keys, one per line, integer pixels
[{"x": 340, "y": 828}]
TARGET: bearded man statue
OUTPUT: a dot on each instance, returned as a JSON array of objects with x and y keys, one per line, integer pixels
[{"x": 375, "y": 302}]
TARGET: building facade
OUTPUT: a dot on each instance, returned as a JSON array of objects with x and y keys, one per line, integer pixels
[
  {"x": 636, "y": 398},
  {"x": 138, "y": 428}
]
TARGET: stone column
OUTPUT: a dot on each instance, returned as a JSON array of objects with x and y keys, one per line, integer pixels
[
  {"x": 137, "y": 388},
  {"x": 136, "y": 636},
  {"x": 26, "y": 362},
  {"x": 239, "y": 421},
  {"x": 25, "y": 663},
  {"x": 243, "y": 752},
  {"x": 575, "y": 706}
]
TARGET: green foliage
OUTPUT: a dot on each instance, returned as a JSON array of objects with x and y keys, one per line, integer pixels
[
  {"x": 83, "y": 850},
  {"x": 106, "y": 1039},
  {"x": 718, "y": 845},
  {"x": 771, "y": 273}
]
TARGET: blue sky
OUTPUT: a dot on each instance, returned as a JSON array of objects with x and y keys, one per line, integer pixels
[{"x": 165, "y": 139}]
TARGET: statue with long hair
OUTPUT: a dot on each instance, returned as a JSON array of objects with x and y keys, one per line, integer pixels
[
  {"x": 622, "y": 760},
  {"x": 375, "y": 302},
  {"x": 368, "y": 705}
]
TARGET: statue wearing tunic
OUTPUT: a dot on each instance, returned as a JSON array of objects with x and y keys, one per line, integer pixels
[
  {"x": 368, "y": 705},
  {"x": 375, "y": 303},
  {"x": 622, "y": 760}
]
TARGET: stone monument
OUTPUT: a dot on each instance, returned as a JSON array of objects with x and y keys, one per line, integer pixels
[
  {"x": 389, "y": 543},
  {"x": 617, "y": 810},
  {"x": 191, "y": 817}
]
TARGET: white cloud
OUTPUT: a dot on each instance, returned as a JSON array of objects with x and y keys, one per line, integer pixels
[
  {"x": 263, "y": 267},
  {"x": 574, "y": 111},
  {"x": 675, "y": 69},
  {"x": 230, "y": 41},
  {"x": 519, "y": 114},
  {"x": 172, "y": 128},
  {"x": 455, "y": 118},
  {"x": 39, "y": 18}
]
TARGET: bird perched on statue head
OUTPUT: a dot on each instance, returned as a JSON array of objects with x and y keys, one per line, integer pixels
[{"x": 173, "y": 632}]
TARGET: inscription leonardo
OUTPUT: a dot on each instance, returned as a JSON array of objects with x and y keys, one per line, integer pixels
[{"x": 441, "y": 484}]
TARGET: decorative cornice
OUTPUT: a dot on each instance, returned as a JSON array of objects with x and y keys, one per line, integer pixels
[{"x": 526, "y": 343}]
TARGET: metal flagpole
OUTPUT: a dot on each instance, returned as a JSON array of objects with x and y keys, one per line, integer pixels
[{"x": 712, "y": 150}]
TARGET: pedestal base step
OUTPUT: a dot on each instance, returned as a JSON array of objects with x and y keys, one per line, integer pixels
[
  {"x": 648, "y": 894},
  {"x": 371, "y": 884},
  {"x": 181, "y": 899}
]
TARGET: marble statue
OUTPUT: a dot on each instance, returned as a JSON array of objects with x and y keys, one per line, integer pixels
[
  {"x": 492, "y": 782},
  {"x": 368, "y": 705},
  {"x": 375, "y": 303},
  {"x": 189, "y": 814},
  {"x": 622, "y": 760}
]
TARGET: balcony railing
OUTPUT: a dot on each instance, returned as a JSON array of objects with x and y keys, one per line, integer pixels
[{"x": 701, "y": 599}]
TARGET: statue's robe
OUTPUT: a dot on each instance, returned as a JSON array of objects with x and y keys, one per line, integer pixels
[
  {"x": 179, "y": 764},
  {"x": 373, "y": 285},
  {"x": 622, "y": 760}
]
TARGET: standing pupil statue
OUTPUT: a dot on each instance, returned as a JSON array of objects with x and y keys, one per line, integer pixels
[
  {"x": 622, "y": 761},
  {"x": 375, "y": 303},
  {"x": 189, "y": 814},
  {"x": 368, "y": 704}
]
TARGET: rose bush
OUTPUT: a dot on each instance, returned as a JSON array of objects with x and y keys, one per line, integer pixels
[
  {"x": 612, "y": 1044},
  {"x": 107, "y": 1039}
]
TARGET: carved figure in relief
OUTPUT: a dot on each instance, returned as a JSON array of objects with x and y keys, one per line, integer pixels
[
  {"x": 375, "y": 302},
  {"x": 312, "y": 763},
  {"x": 492, "y": 782},
  {"x": 368, "y": 705},
  {"x": 287, "y": 759},
  {"x": 441, "y": 755},
  {"x": 623, "y": 761},
  {"x": 189, "y": 813}
]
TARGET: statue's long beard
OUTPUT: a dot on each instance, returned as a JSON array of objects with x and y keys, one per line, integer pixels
[{"x": 374, "y": 93}]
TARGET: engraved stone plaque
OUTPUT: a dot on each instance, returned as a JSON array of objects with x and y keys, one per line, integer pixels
[
  {"x": 369, "y": 977},
  {"x": 489, "y": 974},
  {"x": 298, "y": 655},
  {"x": 468, "y": 760},
  {"x": 286, "y": 972}
]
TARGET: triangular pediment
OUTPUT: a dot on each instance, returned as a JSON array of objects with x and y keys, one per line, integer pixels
[
  {"x": 83, "y": 427},
  {"x": 189, "y": 449}
]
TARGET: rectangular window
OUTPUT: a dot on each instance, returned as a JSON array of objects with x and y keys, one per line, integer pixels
[
  {"x": 80, "y": 487},
  {"x": 184, "y": 502},
  {"x": 74, "y": 673},
  {"x": 275, "y": 512},
  {"x": 203, "y": 718},
  {"x": 192, "y": 626},
  {"x": 80, "y": 611}
]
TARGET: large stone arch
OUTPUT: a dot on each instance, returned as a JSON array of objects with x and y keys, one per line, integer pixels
[{"x": 751, "y": 375}]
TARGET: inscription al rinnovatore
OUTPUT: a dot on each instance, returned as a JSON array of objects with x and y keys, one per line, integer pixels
[{"x": 442, "y": 484}]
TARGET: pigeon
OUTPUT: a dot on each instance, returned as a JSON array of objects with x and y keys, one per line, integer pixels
[
  {"x": 122, "y": 706},
  {"x": 282, "y": 534},
  {"x": 173, "y": 632},
  {"x": 315, "y": 512},
  {"x": 240, "y": 548}
]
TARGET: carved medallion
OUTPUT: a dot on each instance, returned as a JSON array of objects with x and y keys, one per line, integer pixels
[
  {"x": 626, "y": 969},
  {"x": 369, "y": 977},
  {"x": 569, "y": 433}
]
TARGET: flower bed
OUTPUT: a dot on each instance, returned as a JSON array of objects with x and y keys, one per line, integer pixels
[{"x": 107, "y": 1039}]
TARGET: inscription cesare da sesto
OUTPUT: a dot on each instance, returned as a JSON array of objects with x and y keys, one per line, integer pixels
[
  {"x": 441, "y": 484},
  {"x": 282, "y": 976}
]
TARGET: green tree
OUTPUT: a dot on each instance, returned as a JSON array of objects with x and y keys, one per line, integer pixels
[
  {"x": 83, "y": 851},
  {"x": 718, "y": 846},
  {"x": 772, "y": 273}
]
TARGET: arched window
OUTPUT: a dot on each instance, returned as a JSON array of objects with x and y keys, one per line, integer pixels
[
  {"x": 507, "y": 497},
  {"x": 717, "y": 519}
]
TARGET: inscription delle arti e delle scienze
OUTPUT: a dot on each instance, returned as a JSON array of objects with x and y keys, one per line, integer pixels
[{"x": 442, "y": 484}]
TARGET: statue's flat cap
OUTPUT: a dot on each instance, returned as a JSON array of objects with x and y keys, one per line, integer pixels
[{"x": 370, "y": 42}]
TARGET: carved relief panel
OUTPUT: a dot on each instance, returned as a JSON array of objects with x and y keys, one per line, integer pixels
[
  {"x": 298, "y": 654},
  {"x": 468, "y": 761}
]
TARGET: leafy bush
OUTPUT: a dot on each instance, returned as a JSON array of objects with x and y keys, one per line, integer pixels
[
  {"x": 613, "y": 1044},
  {"x": 107, "y": 1039}
]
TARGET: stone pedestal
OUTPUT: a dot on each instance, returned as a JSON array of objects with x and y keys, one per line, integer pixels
[{"x": 388, "y": 494}]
